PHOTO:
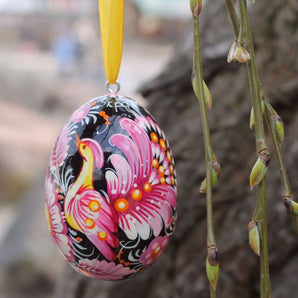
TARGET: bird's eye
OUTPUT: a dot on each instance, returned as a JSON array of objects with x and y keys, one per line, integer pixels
[{"x": 84, "y": 147}]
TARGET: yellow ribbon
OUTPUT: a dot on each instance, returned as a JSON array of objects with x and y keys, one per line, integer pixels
[{"x": 111, "y": 25}]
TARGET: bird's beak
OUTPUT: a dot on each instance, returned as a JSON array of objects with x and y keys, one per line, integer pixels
[{"x": 77, "y": 140}]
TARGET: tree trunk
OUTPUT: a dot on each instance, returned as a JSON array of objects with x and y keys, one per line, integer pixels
[{"x": 180, "y": 272}]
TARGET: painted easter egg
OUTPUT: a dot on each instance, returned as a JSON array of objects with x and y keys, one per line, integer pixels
[{"x": 111, "y": 189}]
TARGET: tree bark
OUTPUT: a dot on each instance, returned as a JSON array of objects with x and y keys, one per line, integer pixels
[{"x": 180, "y": 272}]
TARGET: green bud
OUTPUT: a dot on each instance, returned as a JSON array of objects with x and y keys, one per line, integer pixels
[
  {"x": 207, "y": 94},
  {"x": 214, "y": 180},
  {"x": 259, "y": 169},
  {"x": 277, "y": 122},
  {"x": 237, "y": 53},
  {"x": 258, "y": 173},
  {"x": 196, "y": 7},
  {"x": 254, "y": 237},
  {"x": 203, "y": 186},
  {"x": 279, "y": 128},
  {"x": 195, "y": 86},
  {"x": 291, "y": 205},
  {"x": 215, "y": 174},
  {"x": 212, "y": 266},
  {"x": 262, "y": 107},
  {"x": 252, "y": 119},
  {"x": 252, "y": 115}
]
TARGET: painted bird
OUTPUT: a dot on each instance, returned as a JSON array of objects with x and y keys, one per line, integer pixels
[{"x": 86, "y": 210}]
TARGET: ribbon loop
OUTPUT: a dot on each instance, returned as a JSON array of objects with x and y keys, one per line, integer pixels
[{"x": 111, "y": 24}]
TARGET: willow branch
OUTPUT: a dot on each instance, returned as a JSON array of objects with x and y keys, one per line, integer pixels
[
  {"x": 258, "y": 174},
  {"x": 233, "y": 16},
  {"x": 272, "y": 119},
  {"x": 259, "y": 215},
  {"x": 212, "y": 265},
  {"x": 276, "y": 133}
]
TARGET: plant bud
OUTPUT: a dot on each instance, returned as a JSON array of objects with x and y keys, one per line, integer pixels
[
  {"x": 203, "y": 186},
  {"x": 291, "y": 205},
  {"x": 212, "y": 266},
  {"x": 277, "y": 122},
  {"x": 207, "y": 94},
  {"x": 231, "y": 51},
  {"x": 252, "y": 115},
  {"x": 241, "y": 55},
  {"x": 196, "y": 7},
  {"x": 262, "y": 107},
  {"x": 252, "y": 119},
  {"x": 254, "y": 237},
  {"x": 279, "y": 128},
  {"x": 237, "y": 53},
  {"x": 194, "y": 82},
  {"x": 258, "y": 173},
  {"x": 215, "y": 174}
]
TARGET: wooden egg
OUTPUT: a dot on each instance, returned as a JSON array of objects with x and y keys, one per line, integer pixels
[{"x": 111, "y": 189}]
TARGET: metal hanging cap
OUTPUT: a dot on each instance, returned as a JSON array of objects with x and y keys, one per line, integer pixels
[{"x": 113, "y": 89}]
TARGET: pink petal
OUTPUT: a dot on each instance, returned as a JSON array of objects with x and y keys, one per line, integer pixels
[{"x": 119, "y": 183}]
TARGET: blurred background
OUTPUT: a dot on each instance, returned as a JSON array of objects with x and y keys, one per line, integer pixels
[{"x": 50, "y": 64}]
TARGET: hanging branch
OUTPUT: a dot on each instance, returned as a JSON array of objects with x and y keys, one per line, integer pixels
[
  {"x": 259, "y": 170},
  {"x": 233, "y": 16},
  {"x": 276, "y": 130},
  {"x": 212, "y": 167},
  {"x": 274, "y": 123},
  {"x": 242, "y": 51}
]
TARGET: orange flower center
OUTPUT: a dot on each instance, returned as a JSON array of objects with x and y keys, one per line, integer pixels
[
  {"x": 163, "y": 180},
  {"x": 121, "y": 205},
  {"x": 89, "y": 223},
  {"x": 162, "y": 144},
  {"x": 169, "y": 157},
  {"x": 147, "y": 187},
  {"x": 161, "y": 171},
  {"x": 155, "y": 163},
  {"x": 94, "y": 206},
  {"x": 103, "y": 236},
  {"x": 154, "y": 137},
  {"x": 136, "y": 194},
  {"x": 171, "y": 169}
]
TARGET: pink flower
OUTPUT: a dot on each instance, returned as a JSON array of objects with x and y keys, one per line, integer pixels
[
  {"x": 155, "y": 249},
  {"x": 140, "y": 189},
  {"x": 103, "y": 269},
  {"x": 60, "y": 149},
  {"x": 80, "y": 113},
  {"x": 56, "y": 225}
]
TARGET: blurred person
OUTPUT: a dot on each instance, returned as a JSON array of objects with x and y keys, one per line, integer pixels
[{"x": 67, "y": 50}]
